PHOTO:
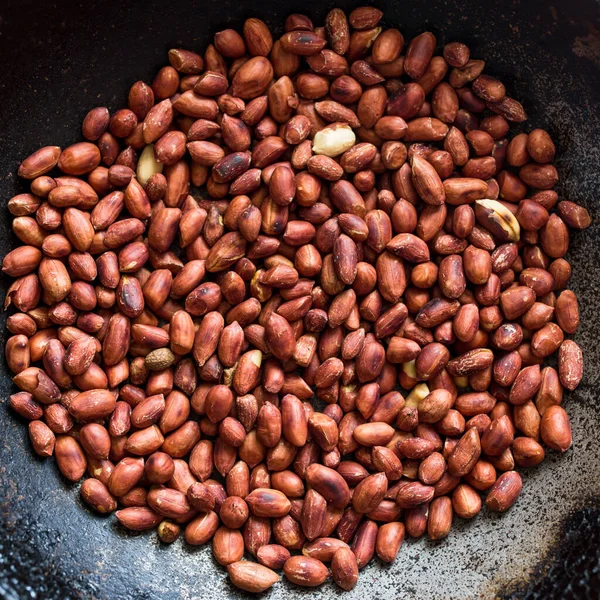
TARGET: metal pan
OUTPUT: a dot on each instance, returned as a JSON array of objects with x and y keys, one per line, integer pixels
[{"x": 58, "y": 60}]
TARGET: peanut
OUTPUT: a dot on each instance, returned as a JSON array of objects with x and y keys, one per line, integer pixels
[{"x": 358, "y": 235}]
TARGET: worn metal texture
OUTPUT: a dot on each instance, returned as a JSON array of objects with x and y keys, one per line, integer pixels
[{"x": 58, "y": 60}]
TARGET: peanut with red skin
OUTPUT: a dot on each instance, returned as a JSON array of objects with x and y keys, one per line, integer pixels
[{"x": 358, "y": 235}]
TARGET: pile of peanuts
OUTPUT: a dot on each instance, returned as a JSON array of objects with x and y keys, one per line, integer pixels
[{"x": 275, "y": 227}]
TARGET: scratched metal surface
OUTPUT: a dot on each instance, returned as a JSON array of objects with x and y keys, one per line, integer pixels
[{"x": 59, "y": 60}]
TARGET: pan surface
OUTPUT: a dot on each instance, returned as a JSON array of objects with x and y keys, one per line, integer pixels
[{"x": 58, "y": 60}]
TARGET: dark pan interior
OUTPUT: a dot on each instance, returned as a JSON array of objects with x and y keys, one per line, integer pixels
[{"x": 58, "y": 60}]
